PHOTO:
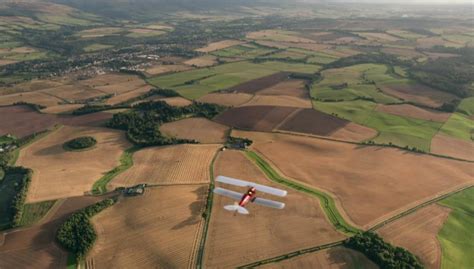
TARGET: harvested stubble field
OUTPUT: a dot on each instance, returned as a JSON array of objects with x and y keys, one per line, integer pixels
[
  {"x": 35, "y": 246},
  {"x": 199, "y": 129},
  {"x": 29, "y": 86},
  {"x": 418, "y": 93},
  {"x": 38, "y": 97},
  {"x": 407, "y": 110},
  {"x": 202, "y": 61},
  {"x": 226, "y": 99},
  {"x": 314, "y": 122},
  {"x": 128, "y": 95},
  {"x": 178, "y": 164},
  {"x": 59, "y": 173},
  {"x": 160, "y": 229},
  {"x": 73, "y": 92},
  {"x": 279, "y": 101},
  {"x": 291, "y": 87},
  {"x": 371, "y": 183},
  {"x": 334, "y": 258},
  {"x": 61, "y": 109},
  {"x": 219, "y": 45},
  {"x": 168, "y": 68},
  {"x": 258, "y": 84},
  {"x": 279, "y": 35},
  {"x": 258, "y": 118},
  {"x": 176, "y": 101},
  {"x": 266, "y": 228},
  {"x": 418, "y": 233},
  {"x": 451, "y": 146}
]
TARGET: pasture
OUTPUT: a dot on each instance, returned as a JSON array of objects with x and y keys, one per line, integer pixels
[
  {"x": 456, "y": 235},
  {"x": 158, "y": 229},
  {"x": 365, "y": 180},
  {"x": 58, "y": 173},
  {"x": 168, "y": 165},
  {"x": 269, "y": 231}
]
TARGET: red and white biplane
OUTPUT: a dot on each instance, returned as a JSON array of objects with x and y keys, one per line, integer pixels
[{"x": 249, "y": 195}]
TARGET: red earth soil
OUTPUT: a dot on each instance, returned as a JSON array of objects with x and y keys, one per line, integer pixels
[
  {"x": 257, "y": 118},
  {"x": 311, "y": 121},
  {"x": 256, "y": 85},
  {"x": 23, "y": 120}
]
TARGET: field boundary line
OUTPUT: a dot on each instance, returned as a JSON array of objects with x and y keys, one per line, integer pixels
[
  {"x": 206, "y": 215},
  {"x": 287, "y": 118},
  {"x": 416, "y": 208},
  {"x": 292, "y": 255},
  {"x": 327, "y": 202}
]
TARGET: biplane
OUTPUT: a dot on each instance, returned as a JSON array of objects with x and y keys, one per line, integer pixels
[{"x": 249, "y": 196}]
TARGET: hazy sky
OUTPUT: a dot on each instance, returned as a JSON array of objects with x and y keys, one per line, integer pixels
[{"x": 411, "y": 1}]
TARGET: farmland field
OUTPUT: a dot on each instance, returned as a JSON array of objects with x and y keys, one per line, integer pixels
[
  {"x": 451, "y": 146},
  {"x": 417, "y": 232},
  {"x": 335, "y": 258},
  {"x": 268, "y": 234},
  {"x": 199, "y": 129},
  {"x": 456, "y": 235},
  {"x": 158, "y": 229},
  {"x": 226, "y": 99},
  {"x": 179, "y": 164},
  {"x": 343, "y": 170},
  {"x": 58, "y": 173}
]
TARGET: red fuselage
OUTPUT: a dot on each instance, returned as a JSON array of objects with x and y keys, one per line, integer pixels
[{"x": 247, "y": 197}]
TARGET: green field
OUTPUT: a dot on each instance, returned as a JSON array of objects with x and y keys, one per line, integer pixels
[
  {"x": 247, "y": 51},
  {"x": 466, "y": 106},
  {"x": 400, "y": 131},
  {"x": 457, "y": 236},
  {"x": 35, "y": 212},
  {"x": 96, "y": 47},
  {"x": 326, "y": 201},
  {"x": 459, "y": 126},
  {"x": 196, "y": 83}
]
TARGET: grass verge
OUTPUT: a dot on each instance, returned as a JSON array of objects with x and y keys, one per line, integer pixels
[
  {"x": 327, "y": 202},
  {"x": 126, "y": 161},
  {"x": 34, "y": 212}
]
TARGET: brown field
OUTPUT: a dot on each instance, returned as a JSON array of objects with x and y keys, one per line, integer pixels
[
  {"x": 412, "y": 111},
  {"x": 418, "y": 232},
  {"x": 73, "y": 92},
  {"x": 33, "y": 85},
  {"x": 30, "y": 97},
  {"x": 99, "y": 32},
  {"x": 123, "y": 87},
  {"x": 334, "y": 258},
  {"x": 318, "y": 123},
  {"x": 59, "y": 173},
  {"x": 371, "y": 183},
  {"x": 435, "y": 55},
  {"x": 429, "y": 42},
  {"x": 219, "y": 45},
  {"x": 128, "y": 95},
  {"x": 237, "y": 240},
  {"x": 409, "y": 53},
  {"x": 258, "y": 84},
  {"x": 61, "y": 109},
  {"x": 203, "y": 61},
  {"x": 226, "y": 99},
  {"x": 382, "y": 37},
  {"x": 108, "y": 79},
  {"x": 168, "y": 68},
  {"x": 258, "y": 118},
  {"x": 176, "y": 101},
  {"x": 419, "y": 94},
  {"x": 291, "y": 87},
  {"x": 160, "y": 229},
  {"x": 199, "y": 129},
  {"x": 22, "y": 120},
  {"x": 35, "y": 246},
  {"x": 284, "y": 45},
  {"x": 281, "y": 36},
  {"x": 6, "y": 62},
  {"x": 279, "y": 100},
  {"x": 454, "y": 147},
  {"x": 178, "y": 164}
]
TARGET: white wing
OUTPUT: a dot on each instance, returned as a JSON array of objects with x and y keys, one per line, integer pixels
[
  {"x": 269, "y": 203},
  {"x": 243, "y": 183},
  {"x": 231, "y": 194}
]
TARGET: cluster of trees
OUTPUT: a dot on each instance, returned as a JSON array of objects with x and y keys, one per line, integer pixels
[
  {"x": 142, "y": 123},
  {"x": 152, "y": 92},
  {"x": 82, "y": 142},
  {"x": 451, "y": 74},
  {"x": 36, "y": 107},
  {"x": 382, "y": 253},
  {"x": 375, "y": 58},
  {"x": 77, "y": 234},
  {"x": 390, "y": 144},
  {"x": 23, "y": 182},
  {"x": 239, "y": 142}
]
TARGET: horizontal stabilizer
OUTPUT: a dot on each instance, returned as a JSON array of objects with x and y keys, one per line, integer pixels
[{"x": 237, "y": 208}]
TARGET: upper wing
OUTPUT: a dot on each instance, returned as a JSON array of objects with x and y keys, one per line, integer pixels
[
  {"x": 231, "y": 194},
  {"x": 243, "y": 183},
  {"x": 269, "y": 203}
]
